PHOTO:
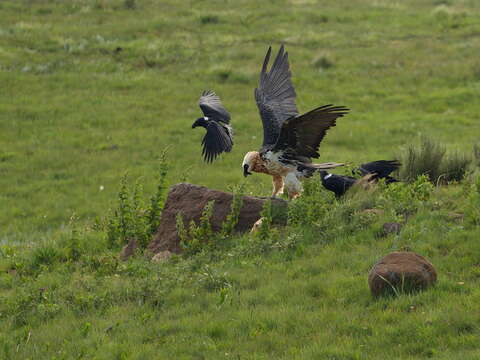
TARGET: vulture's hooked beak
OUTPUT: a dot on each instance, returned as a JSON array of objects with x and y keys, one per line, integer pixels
[{"x": 245, "y": 170}]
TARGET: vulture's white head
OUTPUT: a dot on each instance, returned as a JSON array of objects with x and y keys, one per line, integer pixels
[{"x": 249, "y": 161}]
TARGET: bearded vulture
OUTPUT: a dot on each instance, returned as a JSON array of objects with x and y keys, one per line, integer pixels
[
  {"x": 371, "y": 172},
  {"x": 216, "y": 120},
  {"x": 290, "y": 140}
]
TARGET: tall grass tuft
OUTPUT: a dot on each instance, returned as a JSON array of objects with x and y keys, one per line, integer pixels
[
  {"x": 454, "y": 167},
  {"x": 476, "y": 155},
  {"x": 422, "y": 159}
]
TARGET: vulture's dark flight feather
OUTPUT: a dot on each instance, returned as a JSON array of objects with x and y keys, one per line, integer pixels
[
  {"x": 275, "y": 96},
  {"x": 219, "y": 136},
  {"x": 303, "y": 134}
]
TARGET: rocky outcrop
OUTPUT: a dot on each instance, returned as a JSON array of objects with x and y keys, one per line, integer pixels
[
  {"x": 401, "y": 272},
  {"x": 190, "y": 200},
  {"x": 391, "y": 228}
]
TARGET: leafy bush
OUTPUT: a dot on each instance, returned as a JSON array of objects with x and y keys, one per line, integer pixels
[
  {"x": 312, "y": 206},
  {"x": 404, "y": 199}
]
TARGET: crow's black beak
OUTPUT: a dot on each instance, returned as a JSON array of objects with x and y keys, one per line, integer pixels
[{"x": 245, "y": 170}]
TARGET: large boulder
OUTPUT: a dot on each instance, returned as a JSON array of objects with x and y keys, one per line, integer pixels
[
  {"x": 190, "y": 200},
  {"x": 401, "y": 271}
]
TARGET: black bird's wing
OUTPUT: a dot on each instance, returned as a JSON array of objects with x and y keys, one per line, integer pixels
[
  {"x": 382, "y": 168},
  {"x": 216, "y": 140},
  {"x": 301, "y": 135},
  {"x": 275, "y": 96},
  {"x": 213, "y": 108}
]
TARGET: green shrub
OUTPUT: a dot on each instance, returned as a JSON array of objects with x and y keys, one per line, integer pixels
[
  {"x": 311, "y": 206},
  {"x": 404, "y": 199},
  {"x": 46, "y": 254}
]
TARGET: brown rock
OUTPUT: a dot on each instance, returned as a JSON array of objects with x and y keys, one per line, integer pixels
[
  {"x": 129, "y": 249},
  {"x": 391, "y": 228},
  {"x": 162, "y": 256},
  {"x": 401, "y": 272},
  {"x": 190, "y": 200}
]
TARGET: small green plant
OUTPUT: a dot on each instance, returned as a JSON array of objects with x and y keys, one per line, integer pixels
[
  {"x": 73, "y": 245},
  {"x": 157, "y": 200},
  {"x": 231, "y": 221},
  {"x": 194, "y": 239},
  {"x": 264, "y": 232}
]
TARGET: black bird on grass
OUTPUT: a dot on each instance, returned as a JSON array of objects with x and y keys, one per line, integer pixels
[
  {"x": 216, "y": 120},
  {"x": 380, "y": 169},
  {"x": 372, "y": 171}
]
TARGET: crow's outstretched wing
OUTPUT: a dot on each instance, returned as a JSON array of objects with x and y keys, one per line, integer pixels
[
  {"x": 213, "y": 108},
  {"x": 275, "y": 96},
  {"x": 382, "y": 168},
  {"x": 301, "y": 135},
  {"x": 216, "y": 140}
]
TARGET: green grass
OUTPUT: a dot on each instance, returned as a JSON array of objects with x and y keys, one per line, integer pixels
[{"x": 92, "y": 89}]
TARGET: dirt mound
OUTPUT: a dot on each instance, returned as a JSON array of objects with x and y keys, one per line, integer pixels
[
  {"x": 190, "y": 200},
  {"x": 401, "y": 272}
]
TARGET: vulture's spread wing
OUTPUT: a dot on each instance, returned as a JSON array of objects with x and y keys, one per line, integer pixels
[
  {"x": 382, "y": 168},
  {"x": 213, "y": 108},
  {"x": 302, "y": 135},
  {"x": 275, "y": 96},
  {"x": 216, "y": 140}
]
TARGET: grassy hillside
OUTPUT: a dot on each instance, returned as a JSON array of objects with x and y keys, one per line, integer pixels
[
  {"x": 76, "y": 114},
  {"x": 93, "y": 89}
]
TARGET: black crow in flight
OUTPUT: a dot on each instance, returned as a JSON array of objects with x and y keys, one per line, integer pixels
[{"x": 216, "y": 120}]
